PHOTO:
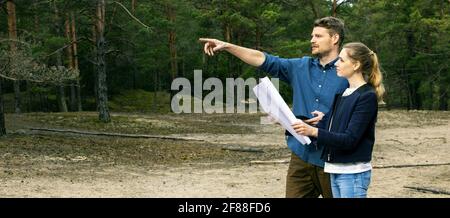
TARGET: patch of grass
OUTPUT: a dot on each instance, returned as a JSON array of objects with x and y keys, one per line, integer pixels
[
  {"x": 135, "y": 101},
  {"x": 158, "y": 124},
  {"x": 140, "y": 101}
]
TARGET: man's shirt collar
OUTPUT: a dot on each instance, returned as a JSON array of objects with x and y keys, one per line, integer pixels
[{"x": 316, "y": 62}]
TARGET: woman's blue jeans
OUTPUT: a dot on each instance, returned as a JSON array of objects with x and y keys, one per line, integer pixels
[{"x": 350, "y": 185}]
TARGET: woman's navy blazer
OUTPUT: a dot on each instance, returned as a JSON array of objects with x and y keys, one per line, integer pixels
[{"x": 352, "y": 133}]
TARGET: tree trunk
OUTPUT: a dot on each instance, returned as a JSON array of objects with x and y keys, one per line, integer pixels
[
  {"x": 313, "y": 8},
  {"x": 62, "y": 106},
  {"x": 444, "y": 96},
  {"x": 334, "y": 12},
  {"x": 408, "y": 90},
  {"x": 94, "y": 66},
  {"x": 73, "y": 98},
  {"x": 75, "y": 62},
  {"x": 131, "y": 55},
  {"x": 101, "y": 65},
  {"x": 133, "y": 6},
  {"x": 28, "y": 84},
  {"x": 436, "y": 91},
  {"x": 78, "y": 91},
  {"x": 60, "y": 93},
  {"x": 2, "y": 114},
  {"x": 258, "y": 35},
  {"x": 228, "y": 38},
  {"x": 69, "y": 50},
  {"x": 36, "y": 16},
  {"x": 17, "y": 98},
  {"x": 12, "y": 30},
  {"x": 410, "y": 41},
  {"x": 239, "y": 63},
  {"x": 171, "y": 17},
  {"x": 28, "y": 94},
  {"x": 155, "y": 91}
]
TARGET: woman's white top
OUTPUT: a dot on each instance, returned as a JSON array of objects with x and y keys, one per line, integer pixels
[{"x": 347, "y": 168}]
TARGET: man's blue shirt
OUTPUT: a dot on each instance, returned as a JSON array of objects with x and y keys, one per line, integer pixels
[{"x": 314, "y": 87}]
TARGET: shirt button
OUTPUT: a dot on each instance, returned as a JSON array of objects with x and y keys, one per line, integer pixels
[
  {"x": 317, "y": 100},
  {"x": 324, "y": 71},
  {"x": 320, "y": 86}
]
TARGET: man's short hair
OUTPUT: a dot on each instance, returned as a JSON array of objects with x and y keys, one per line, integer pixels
[{"x": 334, "y": 26}]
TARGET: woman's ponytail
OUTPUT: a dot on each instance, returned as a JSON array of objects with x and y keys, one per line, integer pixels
[{"x": 376, "y": 78}]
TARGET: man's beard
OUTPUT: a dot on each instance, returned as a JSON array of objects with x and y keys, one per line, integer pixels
[{"x": 322, "y": 54}]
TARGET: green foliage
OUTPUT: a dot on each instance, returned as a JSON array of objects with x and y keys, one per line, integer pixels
[{"x": 411, "y": 39}]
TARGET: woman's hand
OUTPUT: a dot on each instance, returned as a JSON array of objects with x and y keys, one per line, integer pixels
[{"x": 305, "y": 129}]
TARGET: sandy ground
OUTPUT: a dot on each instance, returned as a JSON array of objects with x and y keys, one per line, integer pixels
[{"x": 403, "y": 138}]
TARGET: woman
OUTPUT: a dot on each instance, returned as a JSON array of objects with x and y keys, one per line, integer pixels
[{"x": 348, "y": 131}]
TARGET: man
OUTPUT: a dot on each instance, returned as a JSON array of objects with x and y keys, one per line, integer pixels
[{"x": 314, "y": 82}]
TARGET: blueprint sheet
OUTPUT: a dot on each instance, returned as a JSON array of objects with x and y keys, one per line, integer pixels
[{"x": 272, "y": 103}]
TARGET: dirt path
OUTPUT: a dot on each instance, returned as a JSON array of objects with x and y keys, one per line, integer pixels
[{"x": 56, "y": 166}]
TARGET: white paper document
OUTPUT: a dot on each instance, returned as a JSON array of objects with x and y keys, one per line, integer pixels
[{"x": 273, "y": 104}]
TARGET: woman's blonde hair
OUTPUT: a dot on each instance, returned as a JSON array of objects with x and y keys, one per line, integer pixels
[{"x": 369, "y": 65}]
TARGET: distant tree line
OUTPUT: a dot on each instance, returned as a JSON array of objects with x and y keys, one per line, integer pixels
[{"x": 94, "y": 49}]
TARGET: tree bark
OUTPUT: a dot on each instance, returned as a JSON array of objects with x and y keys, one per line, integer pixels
[
  {"x": 171, "y": 17},
  {"x": 60, "y": 93},
  {"x": 69, "y": 50},
  {"x": 412, "y": 87},
  {"x": 28, "y": 84},
  {"x": 28, "y": 94},
  {"x": 408, "y": 90},
  {"x": 133, "y": 6},
  {"x": 313, "y": 8},
  {"x": 75, "y": 63},
  {"x": 228, "y": 34},
  {"x": 155, "y": 92},
  {"x": 334, "y": 12},
  {"x": 36, "y": 16},
  {"x": 62, "y": 106},
  {"x": 239, "y": 63},
  {"x": 94, "y": 66},
  {"x": 131, "y": 55},
  {"x": 12, "y": 30},
  {"x": 444, "y": 105},
  {"x": 17, "y": 97},
  {"x": 2, "y": 114},
  {"x": 258, "y": 35},
  {"x": 102, "y": 106}
]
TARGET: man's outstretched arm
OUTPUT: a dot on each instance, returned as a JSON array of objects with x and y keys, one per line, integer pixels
[{"x": 249, "y": 56}]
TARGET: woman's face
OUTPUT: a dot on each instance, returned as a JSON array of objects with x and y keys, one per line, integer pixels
[{"x": 345, "y": 66}]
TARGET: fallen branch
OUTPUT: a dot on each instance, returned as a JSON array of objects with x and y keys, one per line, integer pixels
[
  {"x": 269, "y": 161},
  {"x": 411, "y": 165},
  {"x": 115, "y": 134},
  {"x": 425, "y": 189},
  {"x": 395, "y": 140},
  {"x": 240, "y": 148}
]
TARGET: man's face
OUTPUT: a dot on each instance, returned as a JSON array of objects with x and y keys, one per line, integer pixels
[{"x": 321, "y": 41}]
